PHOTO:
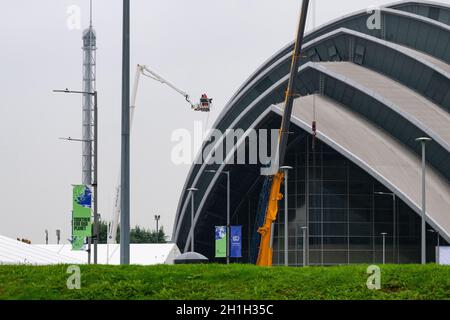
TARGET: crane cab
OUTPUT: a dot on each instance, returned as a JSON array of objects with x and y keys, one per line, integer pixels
[{"x": 204, "y": 105}]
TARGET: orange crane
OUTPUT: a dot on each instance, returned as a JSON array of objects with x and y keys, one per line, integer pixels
[{"x": 265, "y": 248}]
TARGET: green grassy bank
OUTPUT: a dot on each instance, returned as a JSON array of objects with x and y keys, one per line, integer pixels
[{"x": 237, "y": 282}]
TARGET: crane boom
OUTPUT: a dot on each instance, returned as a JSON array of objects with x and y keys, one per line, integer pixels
[
  {"x": 204, "y": 106},
  {"x": 265, "y": 249},
  {"x": 153, "y": 75},
  {"x": 290, "y": 93}
]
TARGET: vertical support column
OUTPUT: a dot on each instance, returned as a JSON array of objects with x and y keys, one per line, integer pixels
[
  {"x": 374, "y": 248},
  {"x": 286, "y": 220},
  {"x": 394, "y": 239},
  {"x": 191, "y": 231},
  {"x": 192, "y": 222},
  {"x": 347, "y": 165},
  {"x": 321, "y": 206},
  {"x": 397, "y": 213},
  {"x": 423, "y": 226},
  {"x": 125, "y": 146},
  {"x": 228, "y": 217},
  {"x": 286, "y": 214},
  {"x": 305, "y": 239},
  {"x": 89, "y": 250},
  {"x": 95, "y": 180},
  {"x": 307, "y": 191},
  {"x": 249, "y": 229},
  {"x": 351, "y": 49},
  {"x": 423, "y": 141},
  {"x": 296, "y": 245},
  {"x": 438, "y": 258}
]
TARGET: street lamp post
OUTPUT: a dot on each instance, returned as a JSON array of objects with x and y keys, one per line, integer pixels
[
  {"x": 125, "y": 140},
  {"x": 192, "y": 191},
  {"x": 304, "y": 229},
  {"x": 384, "y": 234},
  {"x": 89, "y": 249},
  {"x": 394, "y": 208},
  {"x": 157, "y": 217},
  {"x": 286, "y": 215},
  {"x": 228, "y": 210},
  {"x": 438, "y": 256},
  {"x": 423, "y": 141},
  {"x": 95, "y": 169}
]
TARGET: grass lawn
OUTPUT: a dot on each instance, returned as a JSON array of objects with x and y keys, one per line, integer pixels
[{"x": 217, "y": 282}]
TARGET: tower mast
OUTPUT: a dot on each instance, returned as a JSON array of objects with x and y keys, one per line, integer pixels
[{"x": 89, "y": 85}]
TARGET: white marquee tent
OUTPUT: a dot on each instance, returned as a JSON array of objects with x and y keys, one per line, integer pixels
[
  {"x": 140, "y": 254},
  {"x": 16, "y": 252}
]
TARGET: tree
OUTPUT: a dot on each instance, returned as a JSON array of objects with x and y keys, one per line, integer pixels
[
  {"x": 137, "y": 234},
  {"x": 102, "y": 232}
]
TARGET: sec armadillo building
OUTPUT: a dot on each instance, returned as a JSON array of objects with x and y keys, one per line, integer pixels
[{"x": 372, "y": 91}]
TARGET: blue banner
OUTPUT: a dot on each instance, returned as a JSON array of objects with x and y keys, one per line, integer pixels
[{"x": 236, "y": 241}]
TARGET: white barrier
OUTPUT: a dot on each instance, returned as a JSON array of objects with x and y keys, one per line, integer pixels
[{"x": 444, "y": 255}]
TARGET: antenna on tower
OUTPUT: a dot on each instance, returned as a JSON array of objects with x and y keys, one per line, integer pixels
[{"x": 90, "y": 13}]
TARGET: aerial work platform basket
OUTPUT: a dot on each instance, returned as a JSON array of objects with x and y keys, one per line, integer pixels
[{"x": 204, "y": 105}]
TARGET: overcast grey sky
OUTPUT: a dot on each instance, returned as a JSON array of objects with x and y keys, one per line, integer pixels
[{"x": 201, "y": 45}]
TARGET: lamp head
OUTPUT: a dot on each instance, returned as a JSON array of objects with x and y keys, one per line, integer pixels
[{"x": 423, "y": 139}]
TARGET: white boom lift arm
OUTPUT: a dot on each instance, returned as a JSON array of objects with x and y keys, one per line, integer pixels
[{"x": 204, "y": 106}]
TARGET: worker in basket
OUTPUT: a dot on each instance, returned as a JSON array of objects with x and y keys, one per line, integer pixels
[{"x": 205, "y": 101}]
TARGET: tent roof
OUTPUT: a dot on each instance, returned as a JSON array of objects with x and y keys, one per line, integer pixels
[{"x": 16, "y": 252}]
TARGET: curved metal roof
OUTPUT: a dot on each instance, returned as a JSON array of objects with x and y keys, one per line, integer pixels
[
  {"x": 430, "y": 9},
  {"x": 415, "y": 108},
  {"x": 409, "y": 75}
]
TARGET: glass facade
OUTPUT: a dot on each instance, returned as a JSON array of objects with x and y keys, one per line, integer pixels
[{"x": 344, "y": 213}]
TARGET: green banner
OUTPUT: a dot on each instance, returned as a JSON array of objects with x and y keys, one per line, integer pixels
[
  {"x": 81, "y": 216},
  {"x": 221, "y": 242}
]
